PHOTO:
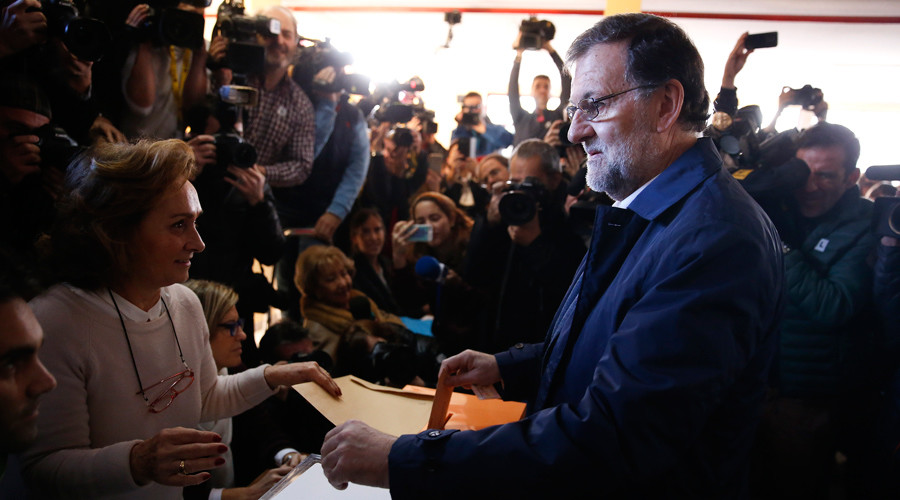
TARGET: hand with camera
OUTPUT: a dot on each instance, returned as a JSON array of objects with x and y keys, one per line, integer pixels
[
  {"x": 400, "y": 241},
  {"x": 22, "y": 25},
  {"x": 250, "y": 182},
  {"x": 552, "y": 136},
  {"x": 102, "y": 130},
  {"x": 735, "y": 62},
  {"x": 204, "y": 147}
]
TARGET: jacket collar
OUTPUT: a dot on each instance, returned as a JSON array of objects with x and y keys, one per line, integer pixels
[{"x": 678, "y": 179}]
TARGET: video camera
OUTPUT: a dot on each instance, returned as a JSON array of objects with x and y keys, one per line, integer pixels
[
  {"x": 86, "y": 38},
  {"x": 402, "y": 136},
  {"x": 321, "y": 54},
  {"x": 807, "y": 97},
  {"x": 521, "y": 200},
  {"x": 397, "y": 102},
  {"x": 171, "y": 26},
  {"x": 245, "y": 55},
  {"x": 534, "y": 33},
  {"x": 886, "y": 221}
]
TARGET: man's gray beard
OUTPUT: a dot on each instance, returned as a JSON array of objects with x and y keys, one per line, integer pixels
[{"x": 617, "y": 177}]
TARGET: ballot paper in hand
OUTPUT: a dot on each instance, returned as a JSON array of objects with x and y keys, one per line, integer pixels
[{"x": 307, "y": 480}]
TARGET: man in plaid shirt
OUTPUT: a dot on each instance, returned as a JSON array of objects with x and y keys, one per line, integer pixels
[{"x": 282, "y": 127}]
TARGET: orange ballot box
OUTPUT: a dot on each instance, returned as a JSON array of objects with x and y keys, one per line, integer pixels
[{"x": 407, "y": 410}]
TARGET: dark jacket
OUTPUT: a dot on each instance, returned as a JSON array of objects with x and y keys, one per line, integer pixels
[
  {"x": 650, "y": 381},
  {"x": 825, "y": 336},
  {"x": 367, "y": 281}
]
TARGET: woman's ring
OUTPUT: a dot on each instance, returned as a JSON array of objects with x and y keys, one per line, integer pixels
[{"x": 181, "y": 468}]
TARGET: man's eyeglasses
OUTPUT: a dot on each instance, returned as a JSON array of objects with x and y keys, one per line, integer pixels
[
  {"x": 233, "y": 326},
  {"x": 596, "y": 108},
  {"x": 174, "y": 385}
]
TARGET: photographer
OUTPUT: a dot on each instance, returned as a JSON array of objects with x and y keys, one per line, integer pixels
[
  {"x": 160, "y": 82},
  {"x": 474, "y": 123},
  {"x": 459, "y": 182},
  {"x": 823, "y": 372},
  {"x": 30, "y": 178},
  {"x": 396, "y": 172},
  {"x": 525, "y": 267},
  {"x": 535, "y": 124}
]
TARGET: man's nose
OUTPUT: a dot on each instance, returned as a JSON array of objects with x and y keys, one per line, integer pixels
[{"x": 580, "y": 130}]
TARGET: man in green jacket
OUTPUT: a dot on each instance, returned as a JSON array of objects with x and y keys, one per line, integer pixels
[{"x": 820, "y": 369}]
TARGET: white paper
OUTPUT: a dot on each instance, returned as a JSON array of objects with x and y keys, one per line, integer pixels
[{"x": 308, "y": 480}]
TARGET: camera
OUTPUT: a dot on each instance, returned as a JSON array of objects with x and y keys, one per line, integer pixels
[
  {"x": 470, "y": 119},
  {"x": 402, "y": 136},
  {"x": 396, "y": 102},
  {"x": 521, "y": 200},
  {"x": 807, "y": 97},
  {"x": 245, "y": 55},
  {"x": 426, "y": 118},
  {"x": 322, "y": 54},
  {"x": 86, "y": 38},
  {"x": 886, "y": 220},
  {"x": 320, "y": 357},
  {"x": 57, "y": 148},
  {"x": 535, "y": 33},
  {"x": 171, "y": 26},
  {"x": 393, "y": 362},
  {"x": 231, "y": 149}
]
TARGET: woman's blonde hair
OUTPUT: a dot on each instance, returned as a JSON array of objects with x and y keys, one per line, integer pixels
[
  {"x": 217, "y": 299},
  {"x": 312, "y": 261},
  {"x": 111, "y": 188}
]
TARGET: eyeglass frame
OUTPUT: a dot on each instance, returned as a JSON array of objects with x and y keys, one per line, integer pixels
[
  {"x": 170, "y": 391},
  {"x": 572, "y": 108},
  {"x": 232, "y": 326}
]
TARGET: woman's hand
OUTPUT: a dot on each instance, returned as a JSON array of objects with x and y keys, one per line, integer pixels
[
  {"x": 400, "y": 241},
  {"x": 298, "y": 373},
  {"x": 175, "y": 456},
  {"x": 258, "y": 487}
]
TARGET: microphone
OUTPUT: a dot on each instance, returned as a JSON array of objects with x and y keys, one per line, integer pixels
[
  {"x": 431, "y": 269},
  {"x": 360, "y": 308}
]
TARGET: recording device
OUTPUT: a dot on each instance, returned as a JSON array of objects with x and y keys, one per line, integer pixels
[
  {"x": 422, "y": 233},
  {"x": 244, "y": 54},
  {"x": 86, "y": 38},
  {"x": 470, "y": 119},
  {"x": 393, "y": 362},
  {"x": 57, "y": 148},
  {"x": 426, "y": 118},
  {"x": 521, "y": 200},
  {"x": 361, "y": 308},
  {"x": 239, "y": 95},
  {"x": 761, "y": 40},
  {"x": 231, "y": 149},
  {"x": 320, "y": 357},
  {"x": 392, "y": 101},
  {"x": 171, "y": 26},
  {"x": 402, "y": 136},
  {"x": 322, "y": 54},
  {"x": 806, "y": 97},
  {"x": 534, "y": 33},
  {"x": 431, "y": 269},
  {"x": 886, "y": 221}
]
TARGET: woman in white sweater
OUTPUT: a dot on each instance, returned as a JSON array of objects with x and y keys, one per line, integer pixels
[{"x": 127, "y": 343}]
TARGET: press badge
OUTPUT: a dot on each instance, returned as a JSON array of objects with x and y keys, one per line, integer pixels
[{"x": 820, "y": 246}]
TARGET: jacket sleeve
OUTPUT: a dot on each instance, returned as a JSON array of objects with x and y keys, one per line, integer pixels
[
  {"x": 265, "y": 232},
  {"x": 565, "y": 81},
  {"x": 355, "y": 174},
  {"x": 515, "y": 106},
  {"x": 676, "y": 354}
]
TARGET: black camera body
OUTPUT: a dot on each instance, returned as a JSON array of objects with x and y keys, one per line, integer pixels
[
  {"x": 807, "y": 97},
  {"x": 171, "y": 26},
  {"x": 401, "y": 136},
  {"x": 86, "y": 38},
  {"x": 387, "y": 99},
  {"x": 231, "y": 149},
  {"x": 535, "y": 33},
  {"x": 322, "y": 54},
  {"x": 886, "y": 220},
  {"x": 57, "y": 148},
  {"x": 521, "y": 200},
  {"x": 245, "y": 55}
]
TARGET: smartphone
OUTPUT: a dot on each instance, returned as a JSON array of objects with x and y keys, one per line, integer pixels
[
  {"x": 423, "y": 233},
  {"x": 436, "y": 162},
  {"x": 761, "y": 40}
]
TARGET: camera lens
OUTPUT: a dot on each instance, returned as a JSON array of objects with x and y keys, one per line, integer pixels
[{"x": 517, "y": 208}]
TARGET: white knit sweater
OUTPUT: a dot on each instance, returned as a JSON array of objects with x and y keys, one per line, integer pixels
[{"x": 89, "y": 423}]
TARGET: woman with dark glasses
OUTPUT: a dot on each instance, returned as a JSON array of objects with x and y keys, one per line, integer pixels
[{"x": 129, "y": 344}]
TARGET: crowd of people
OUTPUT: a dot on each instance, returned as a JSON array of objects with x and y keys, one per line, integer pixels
[{"x": 678, "y": 324}]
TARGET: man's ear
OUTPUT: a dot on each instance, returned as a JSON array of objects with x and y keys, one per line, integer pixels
[
  {"x": 853, "y": 178},
  {"x": 669, "y": 98}
]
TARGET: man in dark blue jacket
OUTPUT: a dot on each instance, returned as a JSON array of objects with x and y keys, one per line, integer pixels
[{"x": 651, "y": 377}]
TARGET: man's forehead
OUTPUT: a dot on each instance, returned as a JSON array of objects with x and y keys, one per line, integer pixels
[
  {"x": 20, "y": 328},
  {"x": 600, "y": 70}
]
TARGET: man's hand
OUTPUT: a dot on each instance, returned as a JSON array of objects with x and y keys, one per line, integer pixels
[
  {"x": 470, "y": 368},
  {"x": 103, "y": 130},
  {"x": 525, "y": 234},
  {"x": 159, "y": 458},
  {"x": 355, "y": 452},
  {"x": 204, "y": 147},
  {"x": 298, "y": 373},
  {"x": 326, "y": 226},
  {"x": 493, "y": 208},
  {"x": 249, "y": 182},
  {"x": 20, "y": 29},
  {"x": 735, "y": 62},
  {"x": 552, "y": 135},
  {"x": 138, "y": 15}
]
